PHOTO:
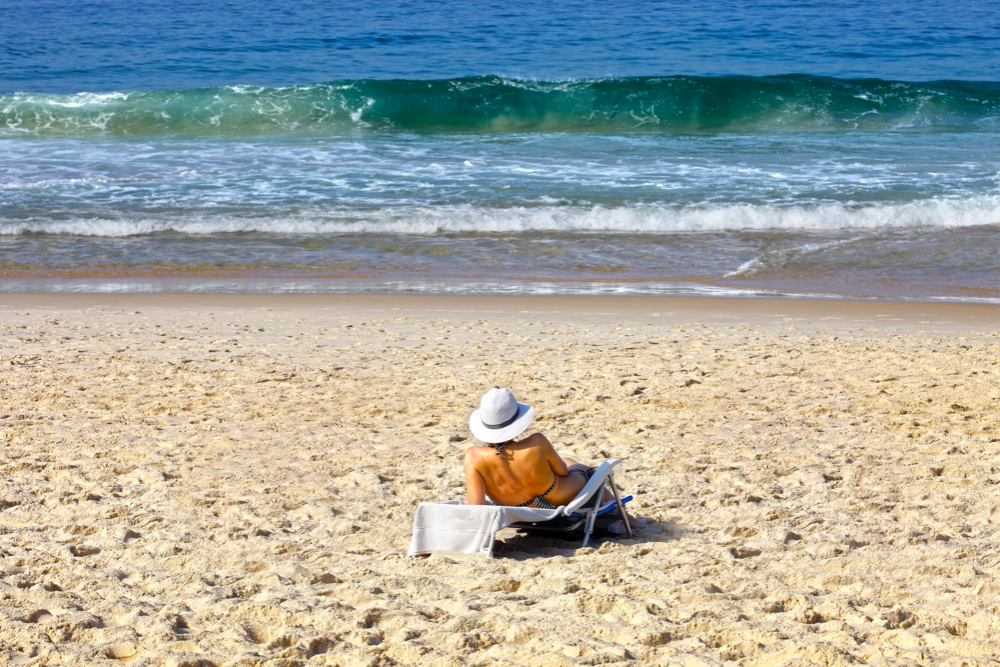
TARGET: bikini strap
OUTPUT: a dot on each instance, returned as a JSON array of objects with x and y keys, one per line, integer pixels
[
  {"x": 540, "y": 501},
  {"x": 500, "y": 446}
]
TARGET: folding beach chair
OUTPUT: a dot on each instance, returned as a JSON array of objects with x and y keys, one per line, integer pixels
[
  {"x": 584, "y": 509},
  {"x": 454, "y": 526}
]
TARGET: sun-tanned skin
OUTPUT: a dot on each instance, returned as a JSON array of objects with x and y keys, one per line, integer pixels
[{"x": 524, "y": 470}]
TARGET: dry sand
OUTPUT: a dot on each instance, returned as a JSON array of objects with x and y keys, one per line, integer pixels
[{"x": 231, "y": 481}]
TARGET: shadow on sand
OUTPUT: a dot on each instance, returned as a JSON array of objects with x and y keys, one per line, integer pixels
[{"x": 510, "y": 544}]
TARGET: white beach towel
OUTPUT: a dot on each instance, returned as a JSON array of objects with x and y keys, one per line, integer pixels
[{"x": 452, "y": 525}]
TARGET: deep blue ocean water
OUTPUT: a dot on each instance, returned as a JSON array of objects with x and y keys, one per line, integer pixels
[
  {"x": 57, "y": 47},
  {"x": 800, "y": 147}
]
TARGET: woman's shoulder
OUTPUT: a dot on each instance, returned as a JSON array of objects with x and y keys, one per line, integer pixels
[
  {"x": 535, "y": 440},
  {"x": 474, "y": 452}
]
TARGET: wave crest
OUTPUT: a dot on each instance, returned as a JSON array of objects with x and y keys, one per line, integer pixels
[
  {"x": 983, "y": 210},
  {"x": 497, "y": 104}
]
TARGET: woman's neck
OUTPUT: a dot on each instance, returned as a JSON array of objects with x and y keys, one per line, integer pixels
[{"x": 500, "y": 446}]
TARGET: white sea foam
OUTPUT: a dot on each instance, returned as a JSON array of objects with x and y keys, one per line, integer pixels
[
  {"x": 73, "y": 101},
  {"x": 974, "y": 211}
]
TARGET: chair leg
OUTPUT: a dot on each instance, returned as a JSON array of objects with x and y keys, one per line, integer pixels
[
  {"x": 592, "y": 515},
  {"x": 621, "y": 508},
  {"x": 590, "y": 527}
]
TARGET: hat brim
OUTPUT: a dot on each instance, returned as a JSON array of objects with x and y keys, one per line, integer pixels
[{"x": 525, "y": 413}]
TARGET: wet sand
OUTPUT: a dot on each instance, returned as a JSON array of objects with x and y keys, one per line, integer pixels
[{"x": 230, "y": 480}]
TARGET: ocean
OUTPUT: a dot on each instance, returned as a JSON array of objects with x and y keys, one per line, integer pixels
[{"x": 826, "y": 149}]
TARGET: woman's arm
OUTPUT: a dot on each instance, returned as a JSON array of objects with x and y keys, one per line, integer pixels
[
  {"x": 556, "y": 462},
  {"x": 475, "y": 486}
]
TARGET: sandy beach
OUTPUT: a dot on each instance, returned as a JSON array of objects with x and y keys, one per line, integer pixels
[{"x": 231, "y": 480}]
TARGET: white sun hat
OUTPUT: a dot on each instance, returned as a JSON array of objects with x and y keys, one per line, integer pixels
[{"x": 500, "y": 417}]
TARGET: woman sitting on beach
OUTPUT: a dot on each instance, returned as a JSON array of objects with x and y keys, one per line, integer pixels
[{"x": 522, "y": 473}]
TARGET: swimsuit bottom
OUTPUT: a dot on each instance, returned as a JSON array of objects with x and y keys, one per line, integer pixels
[{"x": 541, "y": 503}]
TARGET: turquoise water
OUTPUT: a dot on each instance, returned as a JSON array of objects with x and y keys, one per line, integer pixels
[
  {"x": 500, "y": 105},
  {"x": 830, "y": 148}
]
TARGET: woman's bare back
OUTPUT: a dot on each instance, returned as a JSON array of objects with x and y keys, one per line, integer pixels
[{"x": 522, "y": 472}]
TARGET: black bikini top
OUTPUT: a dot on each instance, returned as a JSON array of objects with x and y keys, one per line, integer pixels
[{"x": 500, "y": 446}]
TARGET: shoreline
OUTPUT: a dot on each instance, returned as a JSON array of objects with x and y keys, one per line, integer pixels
[
  {"x": 650, "y": 309},
  {"x": 224, "y": 283}
]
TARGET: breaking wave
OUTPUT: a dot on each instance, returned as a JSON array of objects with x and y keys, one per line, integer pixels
[
  {"x": 975, "y": 211},
  {"x": 498, "y": 104}
]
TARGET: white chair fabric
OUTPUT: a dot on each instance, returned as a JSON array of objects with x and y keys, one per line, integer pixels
[{"x": 454, "y": 526}]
